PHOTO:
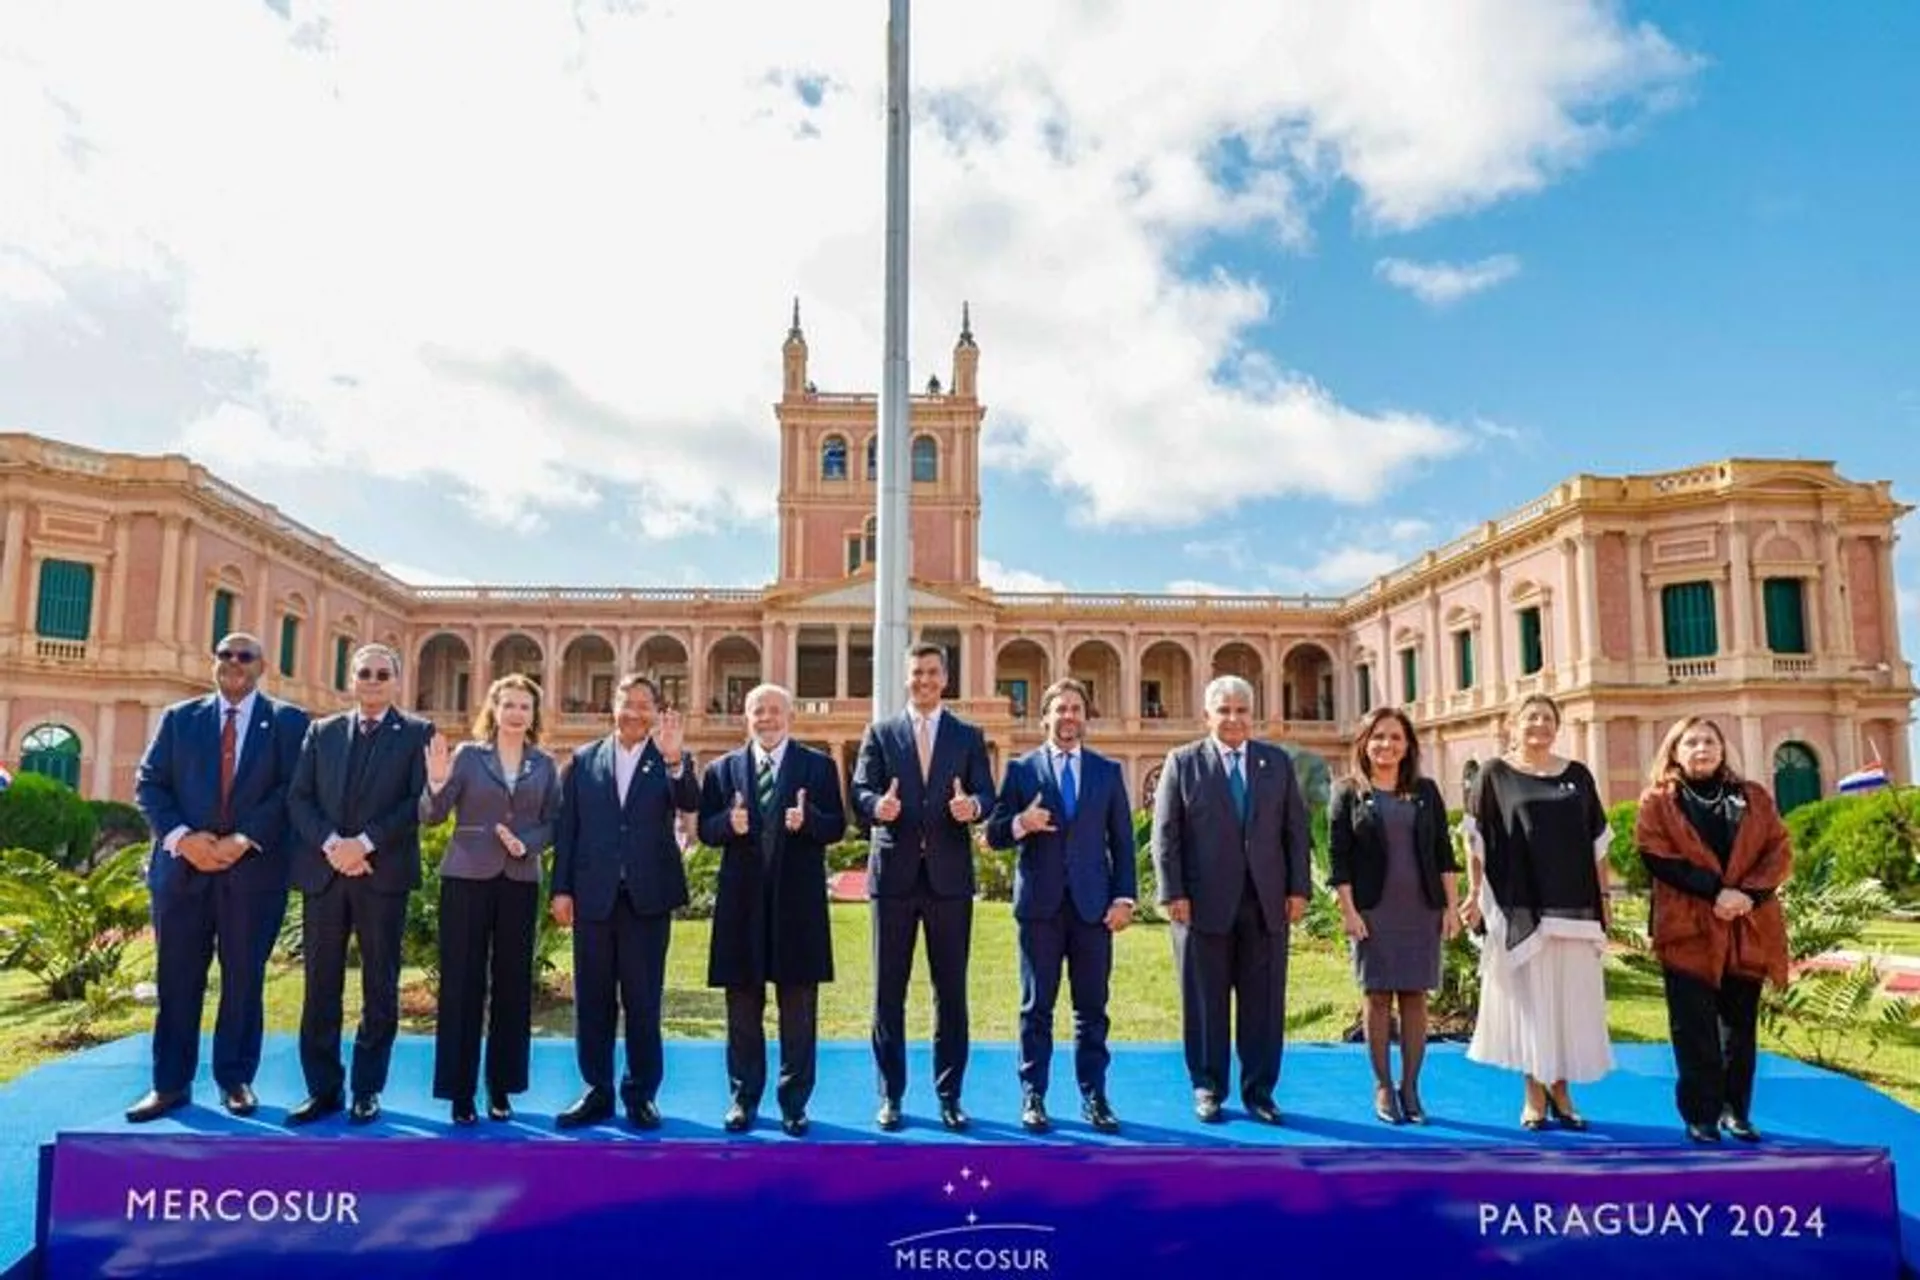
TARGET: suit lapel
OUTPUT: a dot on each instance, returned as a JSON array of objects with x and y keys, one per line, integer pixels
[
  {"x": 259, "y": 733},
  {"x": 490, "y": 761},
  {"x": 912, "y": 786},
  {"x": 1214, "y": 769}
]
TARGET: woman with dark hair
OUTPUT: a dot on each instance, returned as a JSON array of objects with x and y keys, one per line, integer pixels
[
  {"x": 1392, "y": 866},
  {"x": 504, "y": 793},
  {"x": 1537, "y": 837},
  {"x": 1717, "y": 851}
]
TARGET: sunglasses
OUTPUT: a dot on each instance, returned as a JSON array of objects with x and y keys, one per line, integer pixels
[
  {"x": 241, "y": 656},
  {"x": 374, "y": 673}
]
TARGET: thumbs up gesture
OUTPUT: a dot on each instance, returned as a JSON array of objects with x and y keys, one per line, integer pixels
[
  {"x": 797, "y": 815},
  {"x": 962, "y": 806},
  {"x": 739, "y": 814},
  {"x": 1036, "y": 817},
  {"x": 887, "y": 807}
]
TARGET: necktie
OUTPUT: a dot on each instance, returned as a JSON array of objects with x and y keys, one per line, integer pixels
[
  {"x": 368, "y": 724},
  {"x": 229, "y": 740},
  {"x": 763, "y": 787},
  {"x": 923, "y": 742},
  {"x": 1237, "y": 783},
  {"x": 1069, "y": 790}
]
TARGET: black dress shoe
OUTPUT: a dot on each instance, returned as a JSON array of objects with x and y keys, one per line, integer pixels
[
  {"x": 1739, "y": 1127},
  {"x": 1566, "y": 1117},
  {"x": 317, "y": 1107},
  {"x": 1033, "y": 1114},
  {"x": 156, "y": 1103},
  {"x": 1410, "y": 1109},
  {"x": 1703, "y": 1133},
  {"x": 464, "y": 1111},
  {"x": 1095, "y": 1111},
  {"x": 365, "y": 1108},
  {"x": 952, "y": 1118},
  {"x": 1263, "y": 1110},
  {"x": 239, "y": 1100},
  {"x": 499, "y": 1107},
  {"x": 888, "y": 1117},
  {"x": 739, "y": 1118},
  {"x": 592, "y": 1107},
  {"x": 643, "y": 1114},
  {"x": 794, "y": 1124},
  {"x": 1206, "y": 1109}
]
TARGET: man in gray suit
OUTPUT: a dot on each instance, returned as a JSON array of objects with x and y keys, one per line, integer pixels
[{"x": 1230, "y": 850}]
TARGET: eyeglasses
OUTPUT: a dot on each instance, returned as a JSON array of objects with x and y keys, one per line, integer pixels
[
  {"x": 241, "y": 656},
  {"x": 374, "y": 673}
]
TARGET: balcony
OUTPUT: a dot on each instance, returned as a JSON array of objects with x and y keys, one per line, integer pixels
[
  {"x": 1793, "y": 667},
  {"x": 60, "y": 650},
  {"x": 1683, "y": 670}
]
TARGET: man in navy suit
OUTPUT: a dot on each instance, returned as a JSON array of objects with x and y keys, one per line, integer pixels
[
  {"x": 355, "y": 808},
  {"x": 1064, "y": 808},
  {"x": 771, "y": 808},
  {"x": 921, "y": 781},
  {"x": 617, "y": 878},
  {"x": 1231, "y": 854},
  {"x": 213, "y": 786}
]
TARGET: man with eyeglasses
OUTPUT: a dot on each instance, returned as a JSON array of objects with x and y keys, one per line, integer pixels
[
  {"x": 355, "y": 808},
  {"x": 213, "y": 786}
]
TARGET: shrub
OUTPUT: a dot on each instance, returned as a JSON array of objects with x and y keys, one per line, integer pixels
[
  {"x": 69, "y": 928},
  {"x": 117, "y": 824},
  {"x": 992, "y": 870},
  {"x": 420, "y": 936},
  {"x": 1807, "y": 825},
  {"x": 49, "y": 817},
  {"x": 849, "y": 854},
  {"x": 1876, "y": 837},
  {"x": 703, "y": 882},
  {"x": 1623, "y": 855}
]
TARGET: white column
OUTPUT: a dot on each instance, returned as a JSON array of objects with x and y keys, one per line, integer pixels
[
  {"x": 550, "y": 664},
  {"x": 1637, "y": 600},
  {"x": 1588, "y": 563},
  {"x": 1436, "y": 682},
  {"x": 165, "y": 627},
  {"x": 1889, "y": 602},
  {"x": 1569, "y": 611},
  {"x": 104, "y": 719},
  {"x": 1740, "y": 588},
  {"x": 117, "y": 580},
  {"x": 840, "y": 661},
  {"x": 263, "y": 606},
  {"x": 1494, "y": 629},
  {"x": 1838, "y": 632},
  {"x": 192, "y": 591},
  {"x": 1753, "y": 750},
  {"x": 1597, "y": 756},
  {"x": 1846, "y": 745},
  {"x": 15, "y": 555}
]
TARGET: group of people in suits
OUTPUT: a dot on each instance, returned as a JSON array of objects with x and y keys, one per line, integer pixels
[{"x": 246, "y": 798}]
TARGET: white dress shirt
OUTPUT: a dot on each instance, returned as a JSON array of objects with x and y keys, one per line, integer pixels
[{"x": 243, "y": 717}]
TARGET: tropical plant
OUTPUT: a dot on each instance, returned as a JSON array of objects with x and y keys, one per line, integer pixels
[
  {"x": 420, "y": 935},
  {"x": 47, "y": 816},
  {"x": 1838, "y": 1018},
  {"x": 69, "y": 928},
  {"x": 1623, "y": 855},
  {"x": 116, "y": 825},
  {"x": 703, "y": 882},
  {"x": 1876, "y": 837},
  {"x": 106, "y": 1000}
]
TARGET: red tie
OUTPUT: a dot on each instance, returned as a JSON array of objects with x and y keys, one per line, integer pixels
[{"x": 228, "y": 740}]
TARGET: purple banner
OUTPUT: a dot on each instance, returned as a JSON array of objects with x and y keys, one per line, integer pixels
[{"x": 213, "y": 1207}]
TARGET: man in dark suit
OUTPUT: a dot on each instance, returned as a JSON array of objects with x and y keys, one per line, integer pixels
[
  {"x": 921, "y": 781},
  {"x": 213, "y": 786},
  {"x": 1064, "y": 808},
  {"x": 617, "y": 878},
  {"x": 771, "y": 808},
  {"x": 355, "y": 808},
  {"x": 1230, "y": 852}
]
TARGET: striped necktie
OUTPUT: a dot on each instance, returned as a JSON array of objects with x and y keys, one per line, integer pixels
[{"x": 763, "y": 788}]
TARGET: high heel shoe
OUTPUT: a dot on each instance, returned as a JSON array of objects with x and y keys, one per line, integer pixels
[
  {"x": 1566, "y": 1118},
  {"x": 1385, "y": 1108},
  {"x": 1411, "y": 1109},
  {"x": 1532, "y": 1122}
]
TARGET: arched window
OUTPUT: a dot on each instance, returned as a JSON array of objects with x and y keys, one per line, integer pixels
[
  {"x": 926, "y": 460},
  {"x": 1796, "y": 776},
  {"x": 53, "y": 750},
  {"x": 833, "y": 458},
  {"x": 873, "y": 457}
]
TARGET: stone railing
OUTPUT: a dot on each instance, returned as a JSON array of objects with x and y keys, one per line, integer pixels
[
  {"x": 1137, "y": 603},
  {"x": 588, "y": 595},
  {"x": 59, "y": 650},
  {"x": 1692, "y": 669}
]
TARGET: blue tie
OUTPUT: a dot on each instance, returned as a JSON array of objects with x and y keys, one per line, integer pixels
[
  {"x": 1069, "y": 793},
  {"x": 1237, "y": 783}
]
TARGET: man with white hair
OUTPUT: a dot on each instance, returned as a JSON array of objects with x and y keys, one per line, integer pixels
[
  {"x": 354, "y": 805},
  {"x": 1230, "y": 851}
]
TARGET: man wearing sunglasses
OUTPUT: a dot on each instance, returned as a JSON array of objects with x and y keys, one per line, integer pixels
[
  {"x": 213, "y": 786},
  {"x": 355, "y": 809}
]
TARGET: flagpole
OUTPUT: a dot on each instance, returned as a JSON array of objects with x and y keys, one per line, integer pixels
[{"x": 892, "y": 532}]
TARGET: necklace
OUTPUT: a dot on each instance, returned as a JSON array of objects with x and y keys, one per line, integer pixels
[{"x": 1719, "y": 792}]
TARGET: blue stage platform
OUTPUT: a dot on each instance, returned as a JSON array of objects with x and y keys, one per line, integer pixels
[{"x": 1823, "y": 1129}]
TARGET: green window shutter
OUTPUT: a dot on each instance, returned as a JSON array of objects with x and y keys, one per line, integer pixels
[
  {"x": 342, "y": 650},
  {"x": 65, "y": 610},
  {"x": 1786, "y": 615},
  {"x": 1363, "y": 674},
  {"x": 1687, "y": 614},
  {"x": 222, "y": 615},
  {"x": 1531, "y": 657},
  {"x": 1463, "y": 658},
  {"x": 289, "y": 644},
  {"x": 1409, "y": 675}
]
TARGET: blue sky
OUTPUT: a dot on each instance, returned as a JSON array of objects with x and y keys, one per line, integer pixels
[{"x": 513, "y": 313}]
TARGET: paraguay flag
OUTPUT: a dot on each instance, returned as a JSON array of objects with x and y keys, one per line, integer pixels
[{"x": 1871, "y": 778}]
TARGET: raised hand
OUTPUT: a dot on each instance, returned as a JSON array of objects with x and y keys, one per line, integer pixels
[
  {"x": 439, "y": 761},
  {"x": 739, "y": 814},
  {"x": 961, "y": 807},
  {"x": 797, "y": 816},
  {"x": 887, "y": 807},
  {"x": 1035, "y": 818},
  {"x": 668, "y": 735}
]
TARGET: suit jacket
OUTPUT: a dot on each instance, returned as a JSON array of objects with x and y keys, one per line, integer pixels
[
  {"x": 924, "y": 832},
  {"x": 1090, "y": 857},
  {"x": 1204, "y": 853},
  {"x": 770, "y": 912},
  {"x": 476, "y": 793},
  {"x": 597, "y": 841},
  {"x": 1358, "y": 853},
  {"x": 178, "y": 785},
  {"x": 389, "y": 800}
]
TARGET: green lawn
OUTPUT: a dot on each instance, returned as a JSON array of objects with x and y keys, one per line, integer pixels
[{"x": 1145, "y": 1006}]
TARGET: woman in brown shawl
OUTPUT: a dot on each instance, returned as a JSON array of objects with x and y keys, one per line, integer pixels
[{"x": 1717, "y": 852}]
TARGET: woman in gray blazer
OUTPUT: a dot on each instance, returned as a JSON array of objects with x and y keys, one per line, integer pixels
[{"x": 504, "y": 793}]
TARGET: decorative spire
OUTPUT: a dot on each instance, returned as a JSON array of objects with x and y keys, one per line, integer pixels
[
  {"x": 793, "y": 332},
  {"x": 966, "y": 324}
]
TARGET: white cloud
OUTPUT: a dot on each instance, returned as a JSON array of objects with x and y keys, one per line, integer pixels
[
  {"x": 1002, "y": 577},
  {"x": 418, "y": 577},
  {"x": 1439, "y": 284},
  {"x": 1196, "y": 587},
  {"x": 546, "y": 262}
]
